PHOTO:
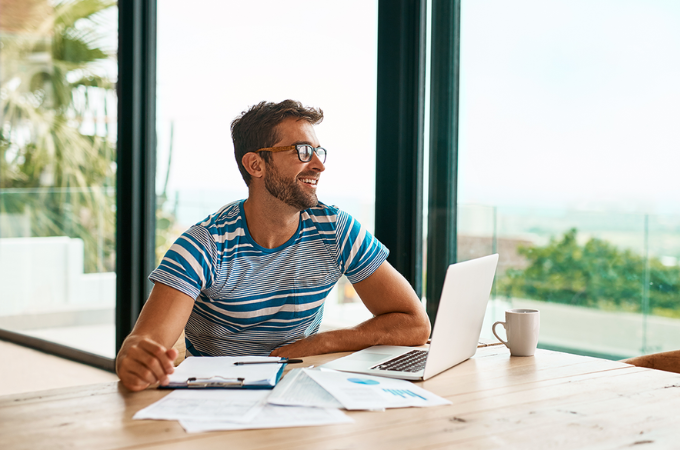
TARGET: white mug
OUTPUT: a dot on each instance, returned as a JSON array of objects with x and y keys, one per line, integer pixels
[{"x": 521, "y": 327}]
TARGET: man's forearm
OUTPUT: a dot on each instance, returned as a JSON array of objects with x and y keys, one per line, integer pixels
[
  {"x": 668, "y": 361},
  {"x": 387, "y": 329}
]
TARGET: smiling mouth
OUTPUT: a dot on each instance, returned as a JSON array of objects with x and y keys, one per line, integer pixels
[{"x": 309, "y": 181}]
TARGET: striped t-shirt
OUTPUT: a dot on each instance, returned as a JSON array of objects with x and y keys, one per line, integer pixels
[{"x": 250, "y": 299}]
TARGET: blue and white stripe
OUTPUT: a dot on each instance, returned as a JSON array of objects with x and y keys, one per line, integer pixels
[{"x": 250, "y": 299}]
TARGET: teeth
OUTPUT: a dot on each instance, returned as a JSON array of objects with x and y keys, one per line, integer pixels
[{"x": 309, "y": 180}]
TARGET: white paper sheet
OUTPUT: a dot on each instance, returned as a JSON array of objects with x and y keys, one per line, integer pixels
[
  {"x": 273, "y": 416},
  {"x": 358, "y": 391},
  {"x": 207, "y": 404},
  {"x": 297, "y": 389},
  {"x": 207, "y": 368}
]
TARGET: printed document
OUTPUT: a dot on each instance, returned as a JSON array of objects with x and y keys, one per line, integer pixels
[
  {"x": 273, "y": 416},
  {"x": 207, "y": 404},
  {"x": 297, "y": 389},
  {"x": 358, "y": 391}
]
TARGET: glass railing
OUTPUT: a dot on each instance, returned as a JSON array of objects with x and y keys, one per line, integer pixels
[
  {"x": 57, "y": 138},
  {"x": 607, "y": 284},
  {"x": 57, "y": 265}
]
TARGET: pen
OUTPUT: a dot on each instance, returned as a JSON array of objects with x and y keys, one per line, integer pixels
[{"x": 281, "y": 361}]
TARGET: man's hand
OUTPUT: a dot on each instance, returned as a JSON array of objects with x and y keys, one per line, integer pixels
[
  {"x": 146, "y": 356},
  {"x": 146, "y": 362}
]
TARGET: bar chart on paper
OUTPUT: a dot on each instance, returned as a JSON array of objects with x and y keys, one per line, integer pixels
[
  {"x": 373, "y": 393},
  {"x": 403, "y": 393}
]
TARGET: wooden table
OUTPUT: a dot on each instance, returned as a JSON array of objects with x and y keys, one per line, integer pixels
[{"x": 551, "y": 400}]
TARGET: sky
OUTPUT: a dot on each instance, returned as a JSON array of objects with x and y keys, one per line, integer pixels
[
  {"x": 563, "y": 103},
  {"x": 218, "y": 58},
  {"x": 571, "y": 104}
]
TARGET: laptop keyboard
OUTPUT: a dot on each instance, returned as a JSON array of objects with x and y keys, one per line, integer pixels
[{"x": 412, "y": 361}]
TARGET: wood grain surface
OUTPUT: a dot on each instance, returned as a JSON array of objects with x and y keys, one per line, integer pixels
[{"x": 551, "y": 400}]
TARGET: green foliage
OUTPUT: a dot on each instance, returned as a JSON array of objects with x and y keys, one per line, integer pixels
[
  {"x": 54, "y": 175},
  {"x": 597, "y": 275}
]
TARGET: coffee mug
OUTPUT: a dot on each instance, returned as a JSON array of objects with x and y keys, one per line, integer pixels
[{"x": 521, "y": 327}]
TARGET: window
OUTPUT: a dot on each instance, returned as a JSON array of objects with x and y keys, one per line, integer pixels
[
  {"x": 212, "y": 66},
  {"x": 57, "y": 172},
  {"x": 568, "y": 156}
]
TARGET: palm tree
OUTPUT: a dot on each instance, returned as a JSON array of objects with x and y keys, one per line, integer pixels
[{"x": 57, "y": 160}]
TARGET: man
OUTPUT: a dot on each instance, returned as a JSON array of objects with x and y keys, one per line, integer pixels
[{"x": 251, "y": 279}]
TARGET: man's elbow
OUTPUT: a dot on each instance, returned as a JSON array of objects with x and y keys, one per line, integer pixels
[{"x": 421, "y": 329}]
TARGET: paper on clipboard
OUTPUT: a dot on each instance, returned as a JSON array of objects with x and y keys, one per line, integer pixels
[{"x": 221, "y": 371}]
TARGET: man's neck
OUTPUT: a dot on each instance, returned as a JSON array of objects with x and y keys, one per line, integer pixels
[{"x": 271, "y": 222}]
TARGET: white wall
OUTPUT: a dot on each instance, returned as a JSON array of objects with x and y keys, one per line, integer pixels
[{"x": 39, "y": 275}]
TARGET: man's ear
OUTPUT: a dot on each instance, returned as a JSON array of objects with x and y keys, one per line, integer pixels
[{"x": 254, "y": 164}]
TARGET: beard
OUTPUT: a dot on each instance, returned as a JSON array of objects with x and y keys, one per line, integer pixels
[{"x": 288, "y": 192}]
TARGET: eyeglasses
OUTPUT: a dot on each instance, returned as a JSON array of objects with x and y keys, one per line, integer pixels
[{"x": 304, "y": 151}]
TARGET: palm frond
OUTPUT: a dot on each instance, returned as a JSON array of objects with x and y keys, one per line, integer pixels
[{"x": 69, "y": 12}]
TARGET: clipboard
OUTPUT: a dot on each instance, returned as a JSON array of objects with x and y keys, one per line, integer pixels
[{"x": 222, "y": 372}]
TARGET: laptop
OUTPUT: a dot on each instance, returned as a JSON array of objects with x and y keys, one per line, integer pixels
[{"x": 455, "y": 336}]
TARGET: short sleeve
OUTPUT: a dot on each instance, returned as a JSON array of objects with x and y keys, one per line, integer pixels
[
  {"x": 189, "y": 265},
  {"x": 359, "y": 252}
]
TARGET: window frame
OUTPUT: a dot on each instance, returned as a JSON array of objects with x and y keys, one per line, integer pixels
[
  {"x": 136, "y": 171},
  {"x": 135, "y": 180},
  {"x": 399, "y": 134},
  {"x": 399, "y": 155},
  {"x": 443, "y": 171}
]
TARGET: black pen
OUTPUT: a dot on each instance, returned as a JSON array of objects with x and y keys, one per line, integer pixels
[{"x": 280, "y": 361}]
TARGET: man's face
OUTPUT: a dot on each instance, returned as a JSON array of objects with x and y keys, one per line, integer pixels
[{"x": 286, "y": 177}]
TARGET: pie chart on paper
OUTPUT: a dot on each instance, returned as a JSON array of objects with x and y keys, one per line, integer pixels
[{"x": 363, "y": 381}]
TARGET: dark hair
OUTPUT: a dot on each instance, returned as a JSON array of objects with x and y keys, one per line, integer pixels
[{"x": 256, "y": 128}]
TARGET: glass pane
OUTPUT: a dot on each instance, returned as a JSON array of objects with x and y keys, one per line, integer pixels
[
  {"x": 568, "y": 167},
  {"x": 57, "y": 171},
  {"x": 222, "y": 63}
]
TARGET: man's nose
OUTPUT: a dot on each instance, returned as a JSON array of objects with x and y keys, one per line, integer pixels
[{"x": 315, "y": 163}]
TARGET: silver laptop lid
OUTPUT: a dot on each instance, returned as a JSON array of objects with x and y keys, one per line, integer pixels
[{"x": 460, "y": 314}]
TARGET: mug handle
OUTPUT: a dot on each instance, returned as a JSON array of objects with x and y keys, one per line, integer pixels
[{"x": 493, "y": 330}]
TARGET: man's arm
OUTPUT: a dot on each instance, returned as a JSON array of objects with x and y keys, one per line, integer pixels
[
  {"x": 400, "y": 319},
  {"x": 147, "y": 356},
  {"x": 668, "y": 361}
]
